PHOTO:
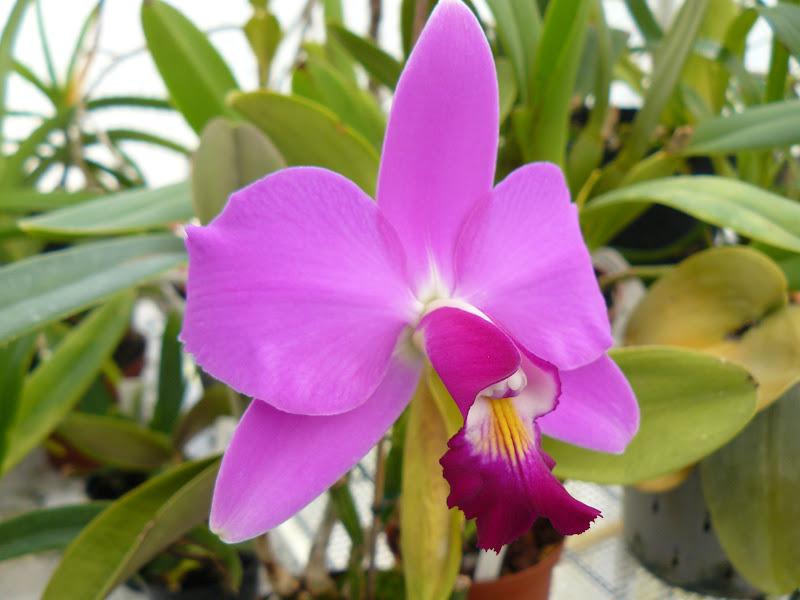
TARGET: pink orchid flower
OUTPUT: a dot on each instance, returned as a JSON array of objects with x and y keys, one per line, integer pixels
[{"x": 323, "y": 305}]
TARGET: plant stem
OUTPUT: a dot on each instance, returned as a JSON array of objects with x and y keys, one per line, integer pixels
[
  {"x": 644, "y": 272},
  {"x": 318, "y": 582},
  {"x": 372, "y": 539},
  {"x": 282, "y": 582}
]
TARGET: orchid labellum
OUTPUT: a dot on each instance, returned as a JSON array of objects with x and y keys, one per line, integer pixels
[{"x": 324, "y": 305}]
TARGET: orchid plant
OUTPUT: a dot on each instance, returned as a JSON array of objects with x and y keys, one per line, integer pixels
[
  {"x": 324, "y": 306},
  {"x": 456, "y": 319}
]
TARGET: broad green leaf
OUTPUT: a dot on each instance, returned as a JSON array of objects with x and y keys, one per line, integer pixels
[
  {"x": 308, "y": 134},
  {"x": 542, "y": 129},
  {"x": 730, "y": 302},
  {"x": 518, "y": 28},
  {"x": 772, "y": 125},
  {"x": 45, "y": 529},
  {"x": 116, "y": 442},
  {"x": 24, "y": 200},
  {"x": 170, "y": 378},
  {"x": 263, "y": 32},
  {"x": 352, "y": 105},
  {"x": 380, "y": 65},
  {"x": 691, "y": 403},
  {"x": 230, "y": 156},
  {"x": 430, "y": 537},
  {"x": 129, "y": 211},
  {"x": 670, "y": 58},
  {"x": 193, "y": 71},
  {"x": 747, "y": 209},
  {"x": 751, "y": 486},
  {"x": 50, "y": 286},
  {"x": 784, "y": 18},
  {"x": 707, "y": 298},
  {"x": 57, "y": 384},
  {"x": 132, "y": 530}
]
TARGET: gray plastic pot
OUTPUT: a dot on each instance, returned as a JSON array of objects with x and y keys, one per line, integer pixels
[{"x": 672, "y": 536}]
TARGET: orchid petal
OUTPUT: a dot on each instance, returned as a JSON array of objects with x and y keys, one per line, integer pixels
[
  {"x": 506, "y": 486},
  {"x": 441, "y": 140},
  {"x": 522, "y": 261},
  {"x": 597, "y": 408},
  {"x": 278, "y": 462},
  {"x": 297, "y": 293},
  {"x": 467, "y": 352}
]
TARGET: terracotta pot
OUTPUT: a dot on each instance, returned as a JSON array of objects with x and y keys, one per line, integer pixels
[
  {"x": 532, "y": 583},
  {"x": 672, "y": 537}
]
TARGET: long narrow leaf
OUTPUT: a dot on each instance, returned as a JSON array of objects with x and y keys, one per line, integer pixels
[
  {"x": 58, "y": 383},
  {"x": 45, "y": 529},
  {"x": 772, "y": 125},
  {"x": 130, "y": 211},
  {"x": 132, "y": 530},
  {"x": 747, "y": 209},
  {"x": 380, "y": 65},
  {"x": 116, "y": 442},
  {"x": 670, "y": 59},
  {"x": 193, "y": 71},
  {"x": 44, "y": 288}
]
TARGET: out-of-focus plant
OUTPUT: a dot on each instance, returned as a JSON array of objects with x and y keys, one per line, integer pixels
[{"x": 714, "y": 340}]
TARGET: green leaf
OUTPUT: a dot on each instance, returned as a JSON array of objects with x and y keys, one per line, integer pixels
[
  {"x": 747, "y": 209},
  {"x": 230, "y": 156},
  {"x": 518, "y": 29},
  {"x": 130, "y": 211},
  {"x": 430, "y": 533},
  {"x": 766, "y": 126},
  {"x": 45, "y": 529},
  {"x": 128, "y": 102},
  {"x": 214, "y": 403},
  {"x": 195, "y": 74},
  {"x": 672, "y": 53},
  {"x": 170, "y": 378},
  {"x": 263, "y": 32},
  {"x": 132, "y": 530},
  {"x": 57, "y": 384},
  {"x": 507, "y": 87},
  {"x": 309, "y": 134},
  {"x": 352, "y": 105},
  {"x": 346, "y": 511},
  {"x": 784, "y": 18},
  {"x": 380, "y": 65},
  {"x": 751, "y": 486},
  {"x": 542, "y": 130},
  {"x": 15, "y": 361},
  {"x": 24, "y": 200},
  {"x": 691, "y": 403},
  {"x": 116, "y": 442},
  {"x": 730, "y": 302},
  {"x": 645, "y": 21},
  {"x": 7, "y": 40},
  {"x": 50, "y": 286}
]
